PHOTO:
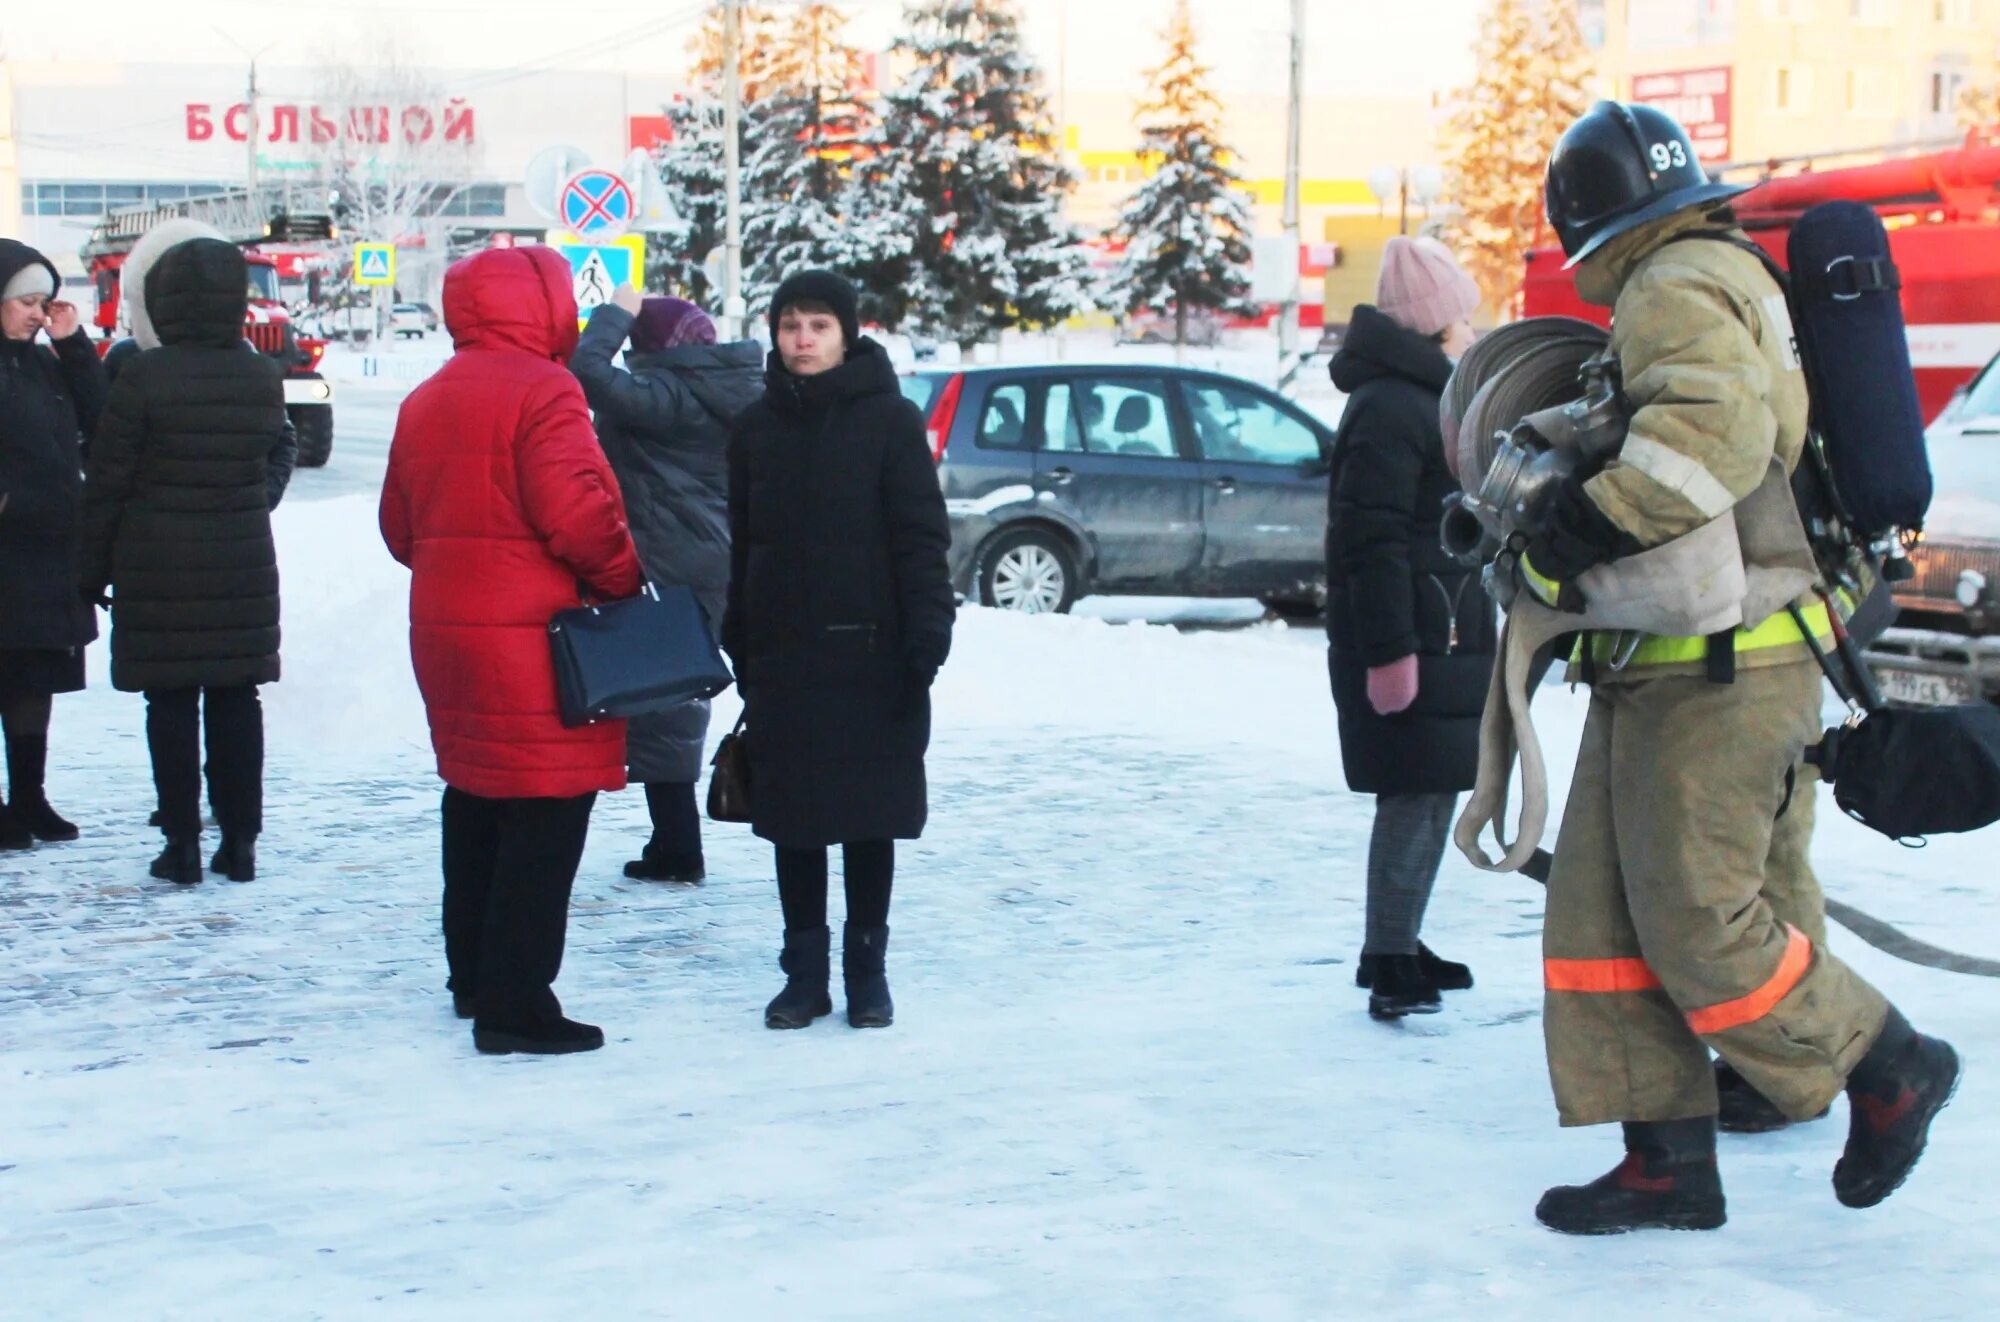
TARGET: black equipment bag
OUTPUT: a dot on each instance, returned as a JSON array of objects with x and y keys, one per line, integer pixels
[
  {"x": 649, "y": 653},
  {"x": 1845, "y": 297},
  {"x": 1910, "y": 773}
]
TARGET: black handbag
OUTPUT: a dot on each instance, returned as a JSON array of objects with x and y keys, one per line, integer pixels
[
  {"x": 729, "y": 782},
  {"x": 649, "y": 653}
]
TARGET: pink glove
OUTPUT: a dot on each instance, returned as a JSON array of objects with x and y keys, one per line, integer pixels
[{"x": 1393, "y": 687}]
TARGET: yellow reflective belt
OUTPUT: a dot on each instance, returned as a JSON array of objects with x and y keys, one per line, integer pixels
[{"x": 1781, "y": 630}]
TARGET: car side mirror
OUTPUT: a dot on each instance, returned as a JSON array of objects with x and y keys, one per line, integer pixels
[{"x": 1316, "y": 467}]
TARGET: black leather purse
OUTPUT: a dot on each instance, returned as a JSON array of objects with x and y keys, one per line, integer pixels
[
  {"x": 729, "y": 783},
  {"x": 649, "y": 653}
]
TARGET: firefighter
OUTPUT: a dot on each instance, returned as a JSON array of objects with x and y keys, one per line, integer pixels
[{"x": 1661, "y": 943}]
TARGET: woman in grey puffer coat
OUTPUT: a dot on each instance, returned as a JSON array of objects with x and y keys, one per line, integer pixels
[{"x": 664, "y": 425}]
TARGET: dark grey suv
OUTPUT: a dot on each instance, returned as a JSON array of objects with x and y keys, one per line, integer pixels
[{"x": 1066, "y": 480}]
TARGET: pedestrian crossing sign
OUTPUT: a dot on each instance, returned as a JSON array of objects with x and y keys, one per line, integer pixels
[
  {"x": 374, "y": 263},
  {"x": 598, "y": 269}
]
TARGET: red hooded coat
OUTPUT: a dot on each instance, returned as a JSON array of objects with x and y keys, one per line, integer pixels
[{"x": 500, "y": 501}]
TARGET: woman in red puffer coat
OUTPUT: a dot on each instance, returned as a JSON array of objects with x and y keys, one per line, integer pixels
[{"x": 503, "y": 506}]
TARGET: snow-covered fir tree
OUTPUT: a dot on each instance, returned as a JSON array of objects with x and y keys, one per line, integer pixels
[
  {"x": 965, "y": 164},
  {"x": 691, "y": 167},
  {"x": 801, "y": 207},
  {"x": 1187, "y": 229},
  {"x": 1533, "y": 68}
]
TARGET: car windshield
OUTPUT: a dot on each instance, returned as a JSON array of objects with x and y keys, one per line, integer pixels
[
  {"x": 1984, "y": 400},
  {"x": 1965, "y": 470},
  {"x": 264, "y": 284}
]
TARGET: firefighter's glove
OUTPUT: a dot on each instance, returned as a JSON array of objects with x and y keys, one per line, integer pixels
[{"x": 1576, "y": 536}]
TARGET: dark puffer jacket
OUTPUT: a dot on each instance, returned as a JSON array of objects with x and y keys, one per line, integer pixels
[
  {"x": 49, "y": 402},
  {"x": 840, "y": 603},
  {"x": 664, "y": 426},
  {"x": 1391, "y": 589},
  {"x": 184, "y": 471}
]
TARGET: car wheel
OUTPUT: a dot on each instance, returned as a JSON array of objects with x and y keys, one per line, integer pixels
[
  {"x": 1300, "y": 609},
  {"x": 1032, "y": 571},
  {"x": 314, "y": 425}
]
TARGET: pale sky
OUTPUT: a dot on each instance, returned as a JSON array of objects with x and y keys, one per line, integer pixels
[{"x": 1355, "y": 47}]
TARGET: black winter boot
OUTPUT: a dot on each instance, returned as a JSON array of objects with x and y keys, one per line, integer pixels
[
  {"x": 656, "y": 864},
  {"x": 236, "y": 859},
  {"x": 1401, "y": 987},
  {"x": 1744, "y": 1109},
  {"x": 560, "y": 1037},
  {"x": 14, "y": 833},
  {"x": 1668, "y": 1181},
  {"x": 27, "y": 772},
  {"x": 1893, "y": 1095},
  {"x": 1444, "y": 973},
  {"x": 861, "y": 956},
  {"x": 180, "y": 861},
  {"x": 806, "y": 961}
]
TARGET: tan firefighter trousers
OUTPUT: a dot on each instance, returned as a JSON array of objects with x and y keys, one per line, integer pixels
[{"x": 1662, "y": 934}]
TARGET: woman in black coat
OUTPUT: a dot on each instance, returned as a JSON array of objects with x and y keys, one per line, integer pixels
[
  {"x": 664, "y": 425},
  {"x": 840, "y": 614},
  {"x": 49, "y": 403},
  {"x": 1411, "y": 630},
  {"x": 186, "y": 467}
]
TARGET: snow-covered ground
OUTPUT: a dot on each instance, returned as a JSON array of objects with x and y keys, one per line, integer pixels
[{"x": 1130, "y": 1076}]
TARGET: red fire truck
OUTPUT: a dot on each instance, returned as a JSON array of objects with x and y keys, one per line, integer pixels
[
  {"x": 267, "y": 324},
  {"x": 1943, "y": 213}
]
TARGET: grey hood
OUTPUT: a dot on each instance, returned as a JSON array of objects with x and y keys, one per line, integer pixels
[{"x": 152, "y": 245}]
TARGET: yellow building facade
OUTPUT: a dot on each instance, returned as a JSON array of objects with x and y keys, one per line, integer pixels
[{"x": 1758, "y": 80}]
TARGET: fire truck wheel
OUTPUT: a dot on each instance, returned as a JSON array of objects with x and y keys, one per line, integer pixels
[{"x": 314, "y": 424}]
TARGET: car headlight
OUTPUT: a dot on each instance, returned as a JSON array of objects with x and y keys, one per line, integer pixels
[
  {"x": 321, "y": 390},
  {"x": 1971, "y": 589}
]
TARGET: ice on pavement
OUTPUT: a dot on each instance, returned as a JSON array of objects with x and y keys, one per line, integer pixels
[{"x": 1130, "y": 1076}]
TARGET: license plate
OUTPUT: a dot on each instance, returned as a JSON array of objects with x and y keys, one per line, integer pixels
[{"x": 1914, "y": 688}]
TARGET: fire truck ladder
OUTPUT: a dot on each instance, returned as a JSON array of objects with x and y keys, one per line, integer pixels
[{"x": 241, "y": 217}]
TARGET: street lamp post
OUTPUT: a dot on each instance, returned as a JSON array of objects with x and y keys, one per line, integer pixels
[{"x": 1424, "y": 184}]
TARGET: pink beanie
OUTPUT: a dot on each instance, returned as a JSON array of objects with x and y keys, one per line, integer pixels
[{"x": 1422, "y": 287}]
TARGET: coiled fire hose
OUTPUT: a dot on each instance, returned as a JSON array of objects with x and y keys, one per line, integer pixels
[{"x": 1518, "y": 370}]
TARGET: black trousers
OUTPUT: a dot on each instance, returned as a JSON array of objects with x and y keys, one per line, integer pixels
[
  {"x": 870, "y": 872},
  {"x": 233, "y": 719},
  {"x": 508, "y": 868}
]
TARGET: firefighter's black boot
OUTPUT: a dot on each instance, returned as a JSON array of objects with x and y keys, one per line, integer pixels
[
  {"x": 805, "y": 998},
  {"x": 1893, "y": 1095},
  {"x": 1668, "y": 1181},
  {"x": 1744, "y": 1109}
]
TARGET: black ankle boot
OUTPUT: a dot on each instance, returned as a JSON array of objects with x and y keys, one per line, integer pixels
[
  {"x": 557, "y": 1037},
  {"x": 657, "y": 864},
  {"x": 1446, "y": 974},
  {"x": 236, "y": 858},
  {"x": 863, "y": 950},
  {"x": 14, "y": 833},
  {"x": 1893, "y": 1095},
  {"x": 1401, "y": 987},
  {"x": 1668, "y": 1181},
  {"x": 806, "y": 959},
  {"x": 180, "y": 861},
  {"x": 27, "y": 772}
]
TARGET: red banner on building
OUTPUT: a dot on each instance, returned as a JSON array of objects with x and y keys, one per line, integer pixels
[{"x": 1699, "y": 99}]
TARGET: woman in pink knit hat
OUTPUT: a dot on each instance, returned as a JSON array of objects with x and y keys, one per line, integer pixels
[{"x": 1411, "y": 632}]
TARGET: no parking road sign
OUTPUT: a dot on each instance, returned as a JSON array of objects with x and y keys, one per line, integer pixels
[
  {"x": 374, "y": 263},
  {"x": 596, "y": 204}
]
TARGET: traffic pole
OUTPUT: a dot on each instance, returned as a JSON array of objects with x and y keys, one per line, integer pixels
[
  {"x": 1289, "y": 360},
  {"x": 733, "y": 309}
]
